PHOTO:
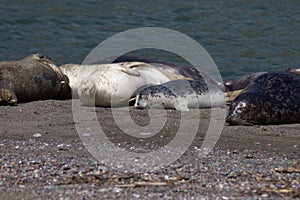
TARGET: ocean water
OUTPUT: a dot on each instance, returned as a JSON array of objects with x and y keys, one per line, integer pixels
[{"x": 241, "y": 36}]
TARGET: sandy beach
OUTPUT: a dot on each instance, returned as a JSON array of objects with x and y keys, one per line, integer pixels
[{"x": 42, "y": 157}]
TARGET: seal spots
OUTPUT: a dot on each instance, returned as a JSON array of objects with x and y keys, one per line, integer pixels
[
  {"x": 272, "y": 98},
  {"x": 181, "y": 95}
]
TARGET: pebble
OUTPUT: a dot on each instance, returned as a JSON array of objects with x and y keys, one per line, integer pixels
[
  {"x": 80, "y": 176},
  {"x": 36, "y": 135},
  {"x": 86, "y": 134}
]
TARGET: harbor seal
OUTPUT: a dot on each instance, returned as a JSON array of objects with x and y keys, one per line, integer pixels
[
  {"x": 294, "y": 70},
  {"x": 112, "y": 84},
  {"x": 188, "y": 71},
  {"x": 181, "y": 95},
  {"x": 241, "y": 82},
  {"x": 272, "y": 98},
  {"x": 35, "y": 77}
]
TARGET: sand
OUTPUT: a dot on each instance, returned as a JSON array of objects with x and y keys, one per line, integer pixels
[{"x": 42, "y": 156}]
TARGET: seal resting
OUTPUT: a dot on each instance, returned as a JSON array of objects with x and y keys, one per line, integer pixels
[
  {"x": 235, "y": 86},
  {"x": 112, "y": 84},
  {"x": 35, "y": 77},
  {"x": 181, "y": 95},
  {"x": 272, "y": 98},
  {"x": 241, "y": 82},
  {"x": 188, "y": 71}
]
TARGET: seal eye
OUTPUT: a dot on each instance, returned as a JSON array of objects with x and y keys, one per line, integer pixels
[
  {"x": 242, "y": 105},
  {"x": 42, "y": 56}
]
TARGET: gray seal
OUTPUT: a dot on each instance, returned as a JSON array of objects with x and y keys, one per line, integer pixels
[
  {"x": 35, "y": 77},
  {"x": 187, "y": 71},
  {"x": 181, "y": 95},
  {"x": 272, "y": 98}
]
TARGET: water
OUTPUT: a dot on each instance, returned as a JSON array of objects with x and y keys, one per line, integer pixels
[{"x": 241, "y": 36}]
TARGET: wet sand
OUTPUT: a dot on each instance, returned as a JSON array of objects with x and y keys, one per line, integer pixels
[{"x": 42, "y": 156}]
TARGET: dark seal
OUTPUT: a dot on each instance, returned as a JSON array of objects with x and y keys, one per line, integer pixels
[
  {"x": 35, "y": 77},
  {"x": 272, "y": 98},
  {"x": 241, "y": 82}
]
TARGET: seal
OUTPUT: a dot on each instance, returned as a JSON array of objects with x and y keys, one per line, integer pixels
[
  {"x": 188, "y": 71},
  {"x": 294, "y": 70},
  {"x": 241, "y": 82},
  {"x": 34, "y": 77},
  {"x": 112, "y": 84},
  {"x": 272, "y": 98},
  {"x": 181, "y": 95},
  {"x": 76, "y": 73}
]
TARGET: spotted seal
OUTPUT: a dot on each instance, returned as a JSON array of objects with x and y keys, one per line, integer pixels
[
  {"x": 181, "y": 95},
  {"x": 272, "y": 98},
  {"x": 243, "y": 81},
  {"x": 112, "y": 84},
  {"x": 34, "y": 77},
  {"x": 188, "y": 71}
]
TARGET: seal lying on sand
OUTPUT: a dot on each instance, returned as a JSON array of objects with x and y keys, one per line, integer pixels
[
  {"x": 35, "y": 77},
  {"x": 112, "y": 84},
  {"x": 187, "y": 71},
  {"x": 241, "y": 82},
  {"x": 272, "y": 98},
  {"x": 181, "y": 95}
]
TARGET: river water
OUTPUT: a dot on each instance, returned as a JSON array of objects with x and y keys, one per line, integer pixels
[{"x": 241, "y": 36}]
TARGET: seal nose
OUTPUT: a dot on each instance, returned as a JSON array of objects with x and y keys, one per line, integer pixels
[
  {"x": 232, "y": 119},
  {"x": 236, "y": 119}
]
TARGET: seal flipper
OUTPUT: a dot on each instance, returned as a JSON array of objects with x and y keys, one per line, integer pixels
[
  {"x": 8, "y": 96},
  {"x": 230, "y": 96},
  {"x": 130, "y": 72},
  {"x": 87, "y": 93},
  {"x": 127, "y": 68},
  {"x": 181, "y": 105}
]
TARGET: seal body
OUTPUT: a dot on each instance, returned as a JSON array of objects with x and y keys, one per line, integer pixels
[
  {"x": 112, "y": 84},
  {"x": 76, "y": 73},
  {"x": 294, "y": 70},
  {"x": 181, "y": 95},
  {"x": 272, "y": 98},
  {"x": 241, "y": 82},
  {"x": 188, "y": 71},
  {"x": 35, "y": 77}
]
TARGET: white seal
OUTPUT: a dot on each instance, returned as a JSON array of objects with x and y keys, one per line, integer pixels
[{"x": 112, "y": 84}]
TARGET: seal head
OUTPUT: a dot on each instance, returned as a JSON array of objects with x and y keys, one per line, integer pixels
[
  {"x": 34, "y": 77},
  {"x": 272, "y": 98}
]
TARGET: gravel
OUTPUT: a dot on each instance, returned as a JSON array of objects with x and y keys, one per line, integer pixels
[{"x": 42, "y": 156}]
